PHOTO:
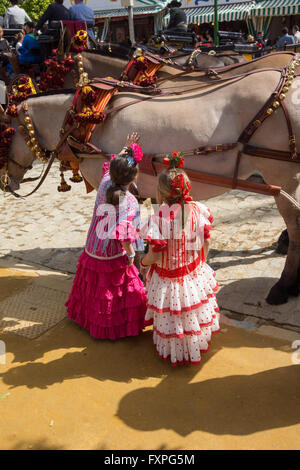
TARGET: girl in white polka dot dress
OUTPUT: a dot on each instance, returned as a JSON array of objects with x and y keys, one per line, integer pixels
[{"x": 180, "y": 285}]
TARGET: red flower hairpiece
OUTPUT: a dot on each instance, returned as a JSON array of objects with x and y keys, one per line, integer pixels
[
  {"x": 174, "y": 160},
  {"x": 180, "y": 188}
]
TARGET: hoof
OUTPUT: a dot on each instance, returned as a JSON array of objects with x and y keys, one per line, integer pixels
[
  {"x": 277, "y": 295},
  {"x": 283, "y": 243},
  {"x": 294, "y": 290}
]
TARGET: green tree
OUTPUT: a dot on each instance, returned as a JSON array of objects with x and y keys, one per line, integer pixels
[
  {"x": 3, "y": 5},
  {"x": 34, "y": 8}
]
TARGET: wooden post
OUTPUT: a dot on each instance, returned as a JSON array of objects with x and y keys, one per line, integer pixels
[
  {"x": 216, "y": 25},
  {"x": 129, "y": 5}
]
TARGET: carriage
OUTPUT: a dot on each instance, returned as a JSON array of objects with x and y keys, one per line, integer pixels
[{"x": 230, "y": 43}]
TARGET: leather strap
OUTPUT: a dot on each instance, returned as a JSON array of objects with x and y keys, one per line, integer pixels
[
  {"x": 292, "y": 137},
  {"x": 53, "y": 156},
  {"x": 255, "y": 123},
  {"x": 207, "y": 178},
  {"x": 229, "y": 67},
  {"x": 236, "y": 170},
  {"x": 270, "y": 153}
]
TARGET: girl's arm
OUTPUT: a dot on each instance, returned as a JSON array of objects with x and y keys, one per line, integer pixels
[
  {"x": 206, "y": 247},
  {"x": 130, "y": 139},
  {"x": 130, "y": 252},
  {"x": 151, "y": 257}
]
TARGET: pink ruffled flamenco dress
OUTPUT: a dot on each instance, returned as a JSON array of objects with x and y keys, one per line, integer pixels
[
  {"x": 108, "y": 298},
  {"x": 181, "y": 289}
]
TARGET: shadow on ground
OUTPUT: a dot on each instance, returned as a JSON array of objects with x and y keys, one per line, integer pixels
[
  {"x": 65, "y": 259},
  {"x": 236, "y": 404}
]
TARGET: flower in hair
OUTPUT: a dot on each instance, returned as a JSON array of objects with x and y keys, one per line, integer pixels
[
  {"x": 174, "y": 160},
  {"x": 180, "y": 189},
  {"x": 137, "y": 153}
]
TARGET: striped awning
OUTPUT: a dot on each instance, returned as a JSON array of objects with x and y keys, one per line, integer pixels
[
  {"x": 236, "y": 11},
  {"x": 150, "y": 7},
  {"x": 276, "y": 8}
]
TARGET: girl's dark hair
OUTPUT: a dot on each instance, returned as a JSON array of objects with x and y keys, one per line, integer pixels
[
  {"x": 30, "y": 24},
  {"x": 121, "y": 174}
]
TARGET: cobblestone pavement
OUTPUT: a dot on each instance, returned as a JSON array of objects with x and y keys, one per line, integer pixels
[{"x": 48, "y": 229}]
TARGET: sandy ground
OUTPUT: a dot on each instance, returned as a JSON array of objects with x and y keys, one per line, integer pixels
[{"x": 66, "y": 390}]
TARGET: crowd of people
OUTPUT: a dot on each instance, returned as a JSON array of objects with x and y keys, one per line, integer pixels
[{"x": 27, "y": 46}]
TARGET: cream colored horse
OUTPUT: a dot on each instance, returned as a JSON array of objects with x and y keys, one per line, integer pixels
[
  {"x": 97, "y": 65},
  {"x": 212, "y": 116}
]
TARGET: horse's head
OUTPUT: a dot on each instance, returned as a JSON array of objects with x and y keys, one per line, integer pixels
[
  {"x": 46, "y": 113},
  {"x": 18, "y": 161}
]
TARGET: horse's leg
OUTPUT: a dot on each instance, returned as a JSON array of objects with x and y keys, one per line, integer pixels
[
  {"x": 283, "y": 243},
  {"x": 289, "y": 282}
]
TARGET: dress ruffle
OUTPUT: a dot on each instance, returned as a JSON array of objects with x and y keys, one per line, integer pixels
[
  {"x": 183, "y": 314},
  {"x": 107, "y": 298}
]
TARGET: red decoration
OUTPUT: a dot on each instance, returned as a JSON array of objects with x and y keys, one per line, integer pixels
[
  {"x": 21, "y": 90},
  {"x": 180, "y": 187},
  {"x": 80, "y": 42},
  {"x": 54, "y": 77},
  {"x": 174, "y": 160},
  {"x": 5, "y": 140}
]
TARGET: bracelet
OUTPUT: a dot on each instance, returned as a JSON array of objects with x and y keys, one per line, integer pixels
[{"x": 130, "y": 256}]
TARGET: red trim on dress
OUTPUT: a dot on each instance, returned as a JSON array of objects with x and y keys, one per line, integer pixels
[
  {"x": 180, "y": 335},
  {"x": 184, "y": 309},
  {"x": 188, "y": 362},
  {"x": 178, "y": 272}
]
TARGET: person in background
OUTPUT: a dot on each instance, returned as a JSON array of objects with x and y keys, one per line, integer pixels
[
  {"x": 29, "y": 44},
  {"x": 296, "y": 34},
  {"x": 1, "y": 21},
  {"x": 55, "y": 12},
  {"x": 260, "y": 39},
  {"x": 4, "y": 57},
  {"x": 4, "y": 48},
  {"x": 178, "y": 18},
  {"x": 286, "y": 38},
  {"x": 15, "y": 16},
  {"x": 208, "y": 36},
  {"x": 80, "y": 12},
  {"x": 19, "y": 40}
]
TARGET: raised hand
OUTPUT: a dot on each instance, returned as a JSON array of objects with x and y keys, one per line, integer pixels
[{"x": 132, "y": 139}]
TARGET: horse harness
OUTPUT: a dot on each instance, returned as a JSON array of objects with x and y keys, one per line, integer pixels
[{"x": 78, "y": 150}]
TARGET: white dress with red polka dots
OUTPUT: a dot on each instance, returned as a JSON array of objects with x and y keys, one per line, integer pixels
[{"x": 183, "y": 309}]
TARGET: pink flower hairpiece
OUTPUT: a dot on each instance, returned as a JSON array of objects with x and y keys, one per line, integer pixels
[{"x": 137, "y": 153}]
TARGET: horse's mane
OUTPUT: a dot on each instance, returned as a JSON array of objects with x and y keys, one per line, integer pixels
[{"x": 111, "y": 49}]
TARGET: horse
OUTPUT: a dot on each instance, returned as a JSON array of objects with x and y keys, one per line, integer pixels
[
  {"x": 207, "y": 117},
  {"x": 112, "y": 61},
  {"x": 106, "y": 63}
]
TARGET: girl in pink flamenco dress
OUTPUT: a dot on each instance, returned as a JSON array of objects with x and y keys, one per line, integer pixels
[
  {"x": 180, "y": 285},
  {"x": 108, "y": 298}
]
